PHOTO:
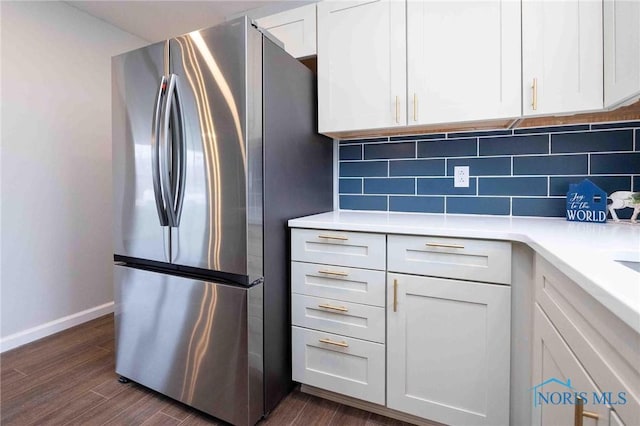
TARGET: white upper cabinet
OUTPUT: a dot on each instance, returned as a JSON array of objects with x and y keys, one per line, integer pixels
[
  {"x": 561, "y": 56},
  {"x": 463, "y": 60},
  {"x": 361, "y": 65},
  {"x": 295, "y": 28},
  {"x": 621, "y": 51}
]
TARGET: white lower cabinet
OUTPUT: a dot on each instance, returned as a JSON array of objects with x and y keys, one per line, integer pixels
[
  {"x": 448, "y": 345},
  {"x": 371, "y": 325},
  {"x": 337, "y": 363},
  {"x": 578, "y": 340},
  {"x": 558, "y": 371}
]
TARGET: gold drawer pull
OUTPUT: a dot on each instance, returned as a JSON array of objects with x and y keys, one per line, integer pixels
[
  {"x": 395, "y": 295},
  {"x": 338, "y": 273},
  {"x": 335, "y": 308},
  {"x": 333, "y": 237},
  {"x": 580, "y": 413},
  {"x": 444, "y": 245},
  {"x": 331, "y": 342}
]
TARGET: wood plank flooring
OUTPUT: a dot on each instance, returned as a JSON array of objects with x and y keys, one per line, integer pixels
[{"x": 69, "y": 379}]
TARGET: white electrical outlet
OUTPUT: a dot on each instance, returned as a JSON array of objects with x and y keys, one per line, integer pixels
[{"x": 461, "y": 176}]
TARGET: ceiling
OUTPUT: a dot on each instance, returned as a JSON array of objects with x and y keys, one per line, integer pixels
[{"x": 159, "y": 20}]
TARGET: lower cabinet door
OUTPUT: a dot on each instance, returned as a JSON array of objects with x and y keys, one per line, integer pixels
[
  {"x": 559, "y": 379},
  {"x": 448, "y": 349},
  {"x": 340, "y": 364}
]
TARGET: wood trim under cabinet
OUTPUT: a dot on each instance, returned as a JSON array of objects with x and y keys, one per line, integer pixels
[{"x": 624, "y": 113}]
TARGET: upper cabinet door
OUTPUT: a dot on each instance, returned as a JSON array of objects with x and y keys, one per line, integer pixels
[
  {"x": 295, "y": 28},
  {"x": 463, "y": 60},
  {"x": 561, "y": 56},
  {"x": 361, "y": 65},
  {"x": 621, "y": 51}
]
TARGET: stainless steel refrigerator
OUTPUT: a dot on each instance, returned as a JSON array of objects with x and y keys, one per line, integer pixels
[{"x": 214, "y": 148}]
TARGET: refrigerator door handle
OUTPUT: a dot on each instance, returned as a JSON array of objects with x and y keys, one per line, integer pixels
[
  {"x": 179, "y": 153},
  {"x": 166, "y": 152},
  {"x": 155, "y": 153}
]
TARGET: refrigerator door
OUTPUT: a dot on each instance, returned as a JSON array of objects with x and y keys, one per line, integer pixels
[
  {"x": 196, "y": 341},
  {"x": 211, "y": 69},
  {"x": 140, "y": 221}
]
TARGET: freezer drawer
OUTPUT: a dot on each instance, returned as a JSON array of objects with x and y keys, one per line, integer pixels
[{"x": 198, "y": 342}]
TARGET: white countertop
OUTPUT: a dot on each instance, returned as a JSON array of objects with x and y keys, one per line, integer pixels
[{"x": 585, "y": 252}]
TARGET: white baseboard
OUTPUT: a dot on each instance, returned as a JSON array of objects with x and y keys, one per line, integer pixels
[{"x": 27, "y": 336}]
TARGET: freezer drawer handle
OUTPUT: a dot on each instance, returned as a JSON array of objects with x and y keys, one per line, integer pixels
[
  {"x": 458, "y": 246},
  {"x": 335, "y": 308},
  {"x": 331, "y": 342},
  {"x": 333, "y": 237},
  {"x": 338, "y": 273}
]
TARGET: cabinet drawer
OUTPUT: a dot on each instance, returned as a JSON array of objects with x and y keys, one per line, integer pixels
[
  {"x": 333, "y": 282},
  {"x": 356, "y": 249},
  {"x": 335, "y": 316},
  {"x": 348, "y": 366},
  {"x": 466, "y": 259},
  {"x": 608, "y": 348}
]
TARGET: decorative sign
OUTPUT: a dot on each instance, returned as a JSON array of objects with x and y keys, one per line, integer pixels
[{"x": 586, "y": 203}]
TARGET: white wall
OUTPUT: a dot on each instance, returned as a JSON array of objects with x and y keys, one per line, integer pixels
[{"x": 56, "y": 246}]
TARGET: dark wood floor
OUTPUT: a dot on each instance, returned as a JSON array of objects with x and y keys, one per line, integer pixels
[{"x": 69, "y": 379}]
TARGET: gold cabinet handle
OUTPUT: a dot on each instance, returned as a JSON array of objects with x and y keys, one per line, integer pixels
[
  {"x": 458, "y": 246},
  {"x": 331, "y": 342},
  {"x": 397, "y": 109},
  {"x": 580, "y": 413},
  {"x": 534, "y": 97},
  {"x": 333, "y": 237},
  {"x": 334, "y": 308},
  {"x": 338, "y": 273},
  {"x": 415, "y": 107},
  {"x": 395, "y": 295}
]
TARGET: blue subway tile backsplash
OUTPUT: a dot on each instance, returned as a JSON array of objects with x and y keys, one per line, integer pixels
[
  {"x": 551, "y": 165},
  {"x": 390, "y": 150},
  {"x": 444, "y": 186},
  {"x": 621, "y": 163},
  {"x": 350, "y": 186},
  {"x": 552, "y": 129},
  {"x": 363, "y": 202},
  {"x": 478, "y": 205},
  {"x": 512, "y": 186},
  {"x": 548, "y": 207},
  {"x": 512, "y": 145},
  {"x": 351, "y": 152},
  {"x": 558, "y": 184},
  {"x": 390, "y": 186},
  {"x": 364, "y": 168},
  {"x": 417, "y": 168},
  {"x": 614, "y": 140},
  {"x": 485, "y": 166},
  {"x": 521, "y": 172},
  {"x": 416, "y": 204},
  {"x": 448, "y": 148},
  {"x": 418, "y": 137}
]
